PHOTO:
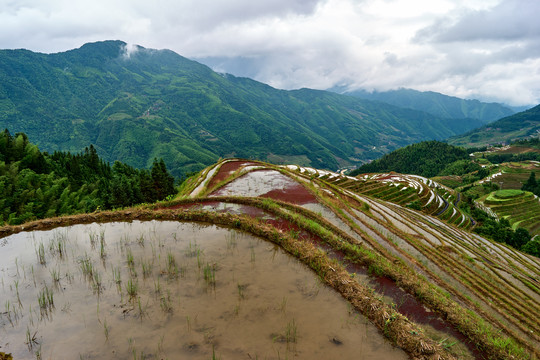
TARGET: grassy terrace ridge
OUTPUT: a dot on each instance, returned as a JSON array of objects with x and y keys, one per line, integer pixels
[
  {"x": 474, "y": 278},
  {"x": 488, "y": 291}
]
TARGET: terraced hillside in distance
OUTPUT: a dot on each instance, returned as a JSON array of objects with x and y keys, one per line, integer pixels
[
  {"x": 520, "y": 208},
  {"x": 428, "y": 285},
  {"x": 412, "y": 191}
]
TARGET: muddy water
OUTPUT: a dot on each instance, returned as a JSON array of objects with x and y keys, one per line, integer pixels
[
  {"x": 267, "y": 183},
  {"x": 200, "y": 291},
  {"x": 227, "y": 169}
]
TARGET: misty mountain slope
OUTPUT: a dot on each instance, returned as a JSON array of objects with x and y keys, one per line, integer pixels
[
  {"x": 523, "y": 125},
  {"x": 135, "y": 104},
  {"x": 438, "y": 104}
]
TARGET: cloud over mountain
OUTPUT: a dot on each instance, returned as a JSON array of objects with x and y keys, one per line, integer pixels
[{"x": 487, "y": 49}]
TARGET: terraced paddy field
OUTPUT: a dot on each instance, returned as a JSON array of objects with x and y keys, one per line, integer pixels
[
  {"x": 411, "y": 191},
  {"x": 521, "y": 208},
  {"x": 168, "y": 290},
  {"x": 514, "y": 175},
  {"x": 418, "y": 284}
]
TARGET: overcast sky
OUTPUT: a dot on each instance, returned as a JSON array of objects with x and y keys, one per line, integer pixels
[{"x": 485, "y": 49}]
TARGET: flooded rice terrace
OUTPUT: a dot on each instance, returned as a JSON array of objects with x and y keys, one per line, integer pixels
[{"x": 157, "y": 290}]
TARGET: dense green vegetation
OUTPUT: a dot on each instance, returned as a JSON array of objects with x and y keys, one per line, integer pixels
[
  {"x": 439, "y": 105},
  {"x": 507, "y": 157},
  {"x": 523, "y": 125},
  {"x": 532, "y": 185},
  {"x": 38, "y": 185},
  {"x": 501, "y": 231},
  {"x": 156, "y": 104},
  {"x": 428, "y": 158}
]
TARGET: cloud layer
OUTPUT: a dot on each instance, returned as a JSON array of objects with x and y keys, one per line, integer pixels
[{"x": 487, "y": 49}]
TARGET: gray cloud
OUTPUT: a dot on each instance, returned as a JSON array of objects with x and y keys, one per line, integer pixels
[
  {"x": 511, "y": 20},
  {"x": 461, "y": 47}
]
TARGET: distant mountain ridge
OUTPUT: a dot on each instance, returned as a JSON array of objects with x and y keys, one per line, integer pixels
[
  {"x": 523, "y": 125},
  {"x": 135, "y": 104},
  {"x": 437, "y": 104}
]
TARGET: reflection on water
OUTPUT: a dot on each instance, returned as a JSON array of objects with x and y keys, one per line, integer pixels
[{"x": 161, "y": 290}]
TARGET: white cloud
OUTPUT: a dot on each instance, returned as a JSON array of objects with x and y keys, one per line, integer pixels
[{"x": 480, "y": 48}]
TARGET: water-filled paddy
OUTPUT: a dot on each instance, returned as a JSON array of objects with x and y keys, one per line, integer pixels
[{"x": 170, "y": 290}]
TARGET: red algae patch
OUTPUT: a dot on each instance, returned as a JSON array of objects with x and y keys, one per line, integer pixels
[{"x": 293, "y": 193}]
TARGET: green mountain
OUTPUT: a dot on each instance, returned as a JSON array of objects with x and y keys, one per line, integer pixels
[
  {"x": 135, "y": 104},
  {"x": 438, "y": 104},
  {"x": 522, "y": 125}
]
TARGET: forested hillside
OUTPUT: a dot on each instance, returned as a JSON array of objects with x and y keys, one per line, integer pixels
[
  {"x": 428, "y": 158},
  {"x": 35, "y": 185},
  {"x": 141, "y": 104},
  {"x": 438, "y": 104}
]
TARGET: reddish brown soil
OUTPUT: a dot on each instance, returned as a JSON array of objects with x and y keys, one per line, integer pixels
[
  {"x": 295, "y": 194},
  {"x": 227, "y": 169},
  {"x": 415, "y": 311}
]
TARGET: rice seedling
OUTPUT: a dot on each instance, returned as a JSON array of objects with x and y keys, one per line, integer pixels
[
  {"x": 160, "y": 344},
  {"x": 209, "y": 273},
  {"x": 188, "y": 323},
  {"x": 130, "y": 259},
  {"x": 172, "y": 267},
  {"x": 146, "y": 268},
  {"x": 55, "y": 274},
  {"x": 291, "y": 335},
  {"x": 142, "y": 309},
  {"x": 38, "y": 353},
  {"x": 241, "y": 291},
  {"x": 33, "y": 275},
  {"x": 17, "y": 266},
  {"x": 8, "y": 311},
  {"x": 57, "y": 246},
  {"x": 102, "y": 252},
  {"x": 97, "y": 282},
  {"x": 214, "y": 356},
  {"x": 157, "y": 286},
  {"x": 106, "y": 329},
  {"x": 131, "y": 262},
  {"x": 165, "y": 303},
  {"x": 141, "y": 240},
  {"x": 41, "y": 254},
  {"x": 199, "y": 258},
  {"x": 283, "y": 304},
  {"x": 86, "y": 266},
  {"x": 46, "y": 300},
  {"x": 31, "y": 339},
  {"x": 231, "y": 241},
  {"x": 132, "y": 288},
  {"x": 117, "y": 276},
  {"x": 93, "y": 239}
]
